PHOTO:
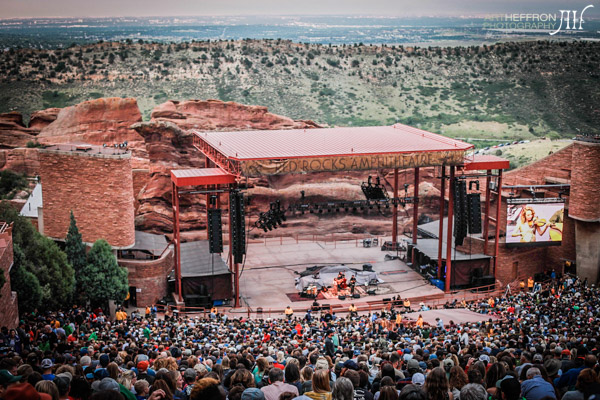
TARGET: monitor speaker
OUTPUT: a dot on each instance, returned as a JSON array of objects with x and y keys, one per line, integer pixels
[
  {"x": 371, "y": 292},
  {"x": 368, "y": 267},
  {"x": 356, "y": 296},
  {"x": 342, "y": 297}
]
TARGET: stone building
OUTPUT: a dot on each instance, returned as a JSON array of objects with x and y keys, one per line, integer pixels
[{"x": 95, "y": 182}]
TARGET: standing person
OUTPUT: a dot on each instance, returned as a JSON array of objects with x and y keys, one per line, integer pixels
[
  {"x": 329, "y": 346},
  {"x": 436, "y": 385},
  {"x": 289, "y": 313}
]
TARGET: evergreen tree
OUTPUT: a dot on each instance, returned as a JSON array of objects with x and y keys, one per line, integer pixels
[
  {"x": 75, "y": 250},
  {"x": 42, "y": 258},
  {"x": 103, "y": 279},
  {"x": 26, "y": 284}
]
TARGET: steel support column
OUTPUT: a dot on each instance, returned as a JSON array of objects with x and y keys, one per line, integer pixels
[
  {"x": 415, "y": 214},
  {"x": 441, "y": 230},
  {"x": 486, "y": 211},
  {"x": 176, "y": 240},
  {"x": 498, "y": 206},
  {"x": 395, "y": 210},
  {"x": 449, "y": 237}
]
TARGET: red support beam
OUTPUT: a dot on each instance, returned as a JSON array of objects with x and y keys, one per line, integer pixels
[
  {"x": 486, "y": 212},
  {"x": 441, "y": 230},
  {"x": 395, "y": 210},
  {"x": 415, "y": 212},
  {"x": 176, "y": 240},
  {"x": 498, "y": 206},
  {"x": 449, "y": 236}
]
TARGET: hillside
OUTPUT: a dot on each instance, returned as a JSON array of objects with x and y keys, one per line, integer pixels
[{"x": 505, "y": 91}]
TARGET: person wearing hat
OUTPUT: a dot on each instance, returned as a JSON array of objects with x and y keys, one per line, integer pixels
[
  {"x": 46, "y": 366},
  {"x": 6, "y": 380},
  {"x": 253, "y": 394},
  {"x": 23, "y": 391}
]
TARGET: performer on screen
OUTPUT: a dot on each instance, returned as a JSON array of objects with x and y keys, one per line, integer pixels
[{"x": 529, "y": 225}]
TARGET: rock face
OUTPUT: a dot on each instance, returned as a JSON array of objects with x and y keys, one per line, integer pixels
[
  {"x": 100, "y": 121},
  {"x": 169, "y": 145},
  {"x": 21, "y": 160},
  {"x": 43, "y": 118},
  {"x": 13, "y": 133},
  {"x": 219, "y": 115}
]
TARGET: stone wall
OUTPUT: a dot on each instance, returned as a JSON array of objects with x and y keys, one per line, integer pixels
[
  {"x": 98, "y": 188},
  {"x": 585, "y": 182},
  {"x": 9, "y": 310},
  {"x": 150, "y": 276}
]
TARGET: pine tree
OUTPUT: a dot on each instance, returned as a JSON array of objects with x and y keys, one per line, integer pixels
[
  {"x": 75, "y": 250},
  {"x": 102, "y": 279}
]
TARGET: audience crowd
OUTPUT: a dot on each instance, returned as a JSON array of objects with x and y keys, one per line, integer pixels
[{"x": 534, "y": 345}]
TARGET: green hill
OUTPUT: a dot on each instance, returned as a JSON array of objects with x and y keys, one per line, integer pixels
[{"x": 505, "y": 91}]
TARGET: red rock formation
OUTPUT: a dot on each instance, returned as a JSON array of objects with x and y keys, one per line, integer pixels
[
  {"x": 43, "y": 118},
  {"x": 13, "y": 133},
  {"x": 219, "y": 115},
  {"x": 22, "y": 160},
  {"x": 100, "y": 121}
]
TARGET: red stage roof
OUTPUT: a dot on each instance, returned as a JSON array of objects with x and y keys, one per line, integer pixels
[
  {"x": 327, "y": 142},
  {"x": 200, "y": 177},
  {"x": 485, "y": 161}
]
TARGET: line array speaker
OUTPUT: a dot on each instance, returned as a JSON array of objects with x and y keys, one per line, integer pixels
[
  {"x": 474, "y": 209},
  {"x": 238, "y": 225},
  {"x": 215, "y": 230},
  {"x": 460, "y": 211}
]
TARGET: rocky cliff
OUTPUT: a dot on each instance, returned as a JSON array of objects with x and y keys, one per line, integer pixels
[{"x": 165, "y": 143}]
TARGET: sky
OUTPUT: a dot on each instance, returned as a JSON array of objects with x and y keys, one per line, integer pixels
[{"x": 144, "y": 8}]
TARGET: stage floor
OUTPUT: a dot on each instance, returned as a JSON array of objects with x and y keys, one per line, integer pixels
[{"x": 268, "y": 275}]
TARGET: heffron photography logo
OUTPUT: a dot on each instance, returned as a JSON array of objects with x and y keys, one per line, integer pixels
[{"x": 564, "y": 20}]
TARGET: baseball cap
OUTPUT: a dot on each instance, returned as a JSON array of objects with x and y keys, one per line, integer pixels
[
  {"x": 24, "y": 391},
  {"x": 418, "y": 379},
  {"x": 350, "y": 364},
  {"x": 6, "y": 378},
  {"x": 412, "y": 364},
  {"x": 538, "y": 358},
  {"x": 448, "y": 363},
  {"x": 484, "y": 357},
  {"x": 46, "y": 363},
  {"x": 143, "y": 365},
  {"x": 566, "y": 352},
  {"x": 253, "y": 394},
  {"x": 189, "y": 373},
  {"x": 105, "y": 384}
]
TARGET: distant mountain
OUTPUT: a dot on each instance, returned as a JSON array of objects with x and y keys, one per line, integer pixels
[{"x": 491, "y": 93}]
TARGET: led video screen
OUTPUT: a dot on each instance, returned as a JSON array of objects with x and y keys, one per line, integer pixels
[{"x": 534, "y": 224}]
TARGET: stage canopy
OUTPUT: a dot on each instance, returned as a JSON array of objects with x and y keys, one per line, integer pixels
[
  {"x": 296, "y": 151},
  {"x": 197, "y": 261}
]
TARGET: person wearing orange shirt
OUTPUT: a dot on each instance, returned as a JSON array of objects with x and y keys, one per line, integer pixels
[
  {"x": 420, "y": 321},
  {"x": 530, "y": 283}
]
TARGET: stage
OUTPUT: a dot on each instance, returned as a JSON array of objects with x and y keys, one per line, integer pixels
[{"x": 269, "y": 275}]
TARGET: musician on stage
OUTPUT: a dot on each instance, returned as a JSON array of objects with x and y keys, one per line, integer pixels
[
  {"x": 352, "y": 284},
  {"x": 340, "y": 281}
]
